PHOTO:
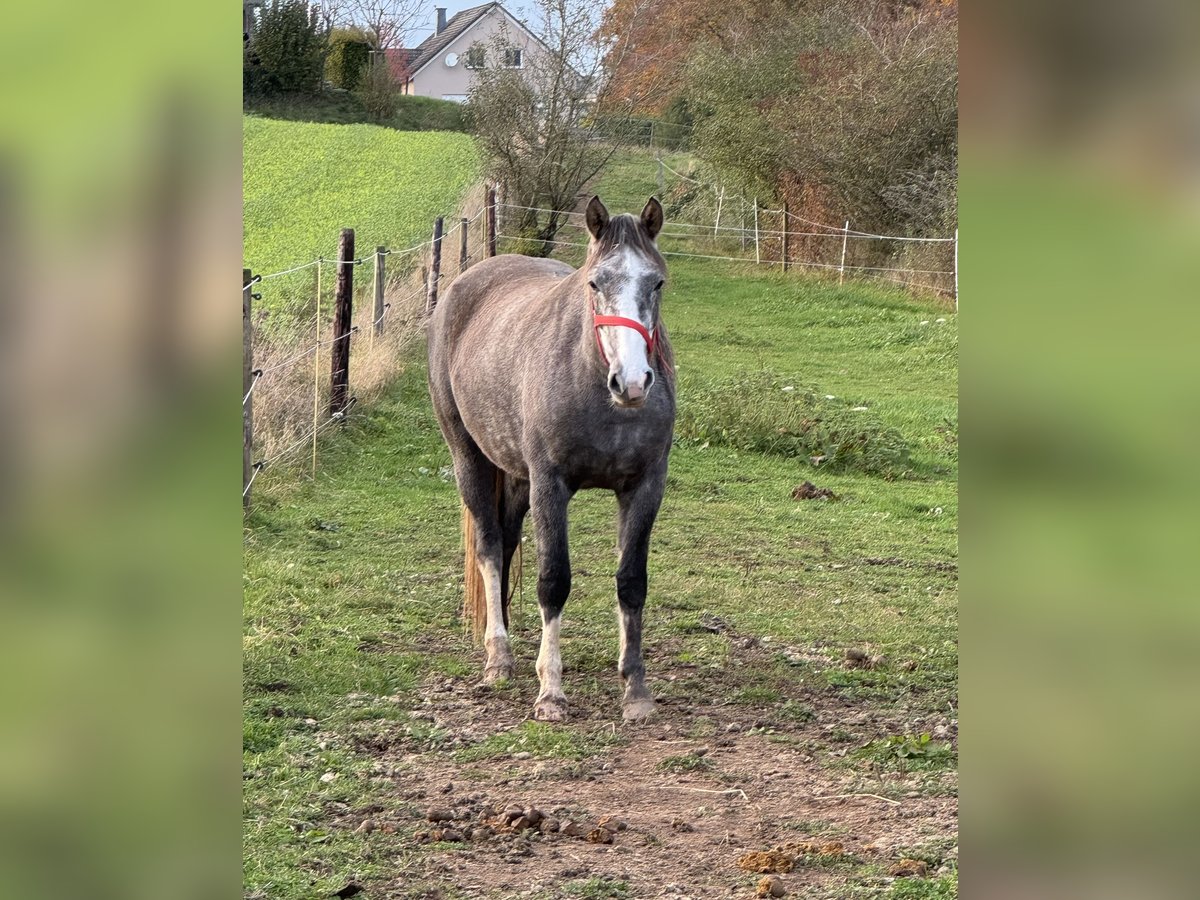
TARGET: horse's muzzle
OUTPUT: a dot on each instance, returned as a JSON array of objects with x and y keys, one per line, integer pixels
[{"x": 630, "y": 394}]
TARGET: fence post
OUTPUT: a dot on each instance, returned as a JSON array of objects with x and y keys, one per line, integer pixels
[
  {"x": 379, "y": 281},
  {"x": 661, "y": 178},
  {"x": 956, "y": 270},
  {"x": 462, "y": 245},
  {"x": 435, "y": 272},
  {"x": 491, "y": 220},
  {"x": 784, "y": 215},
  {"x": 720, "y": 201},
  {"x": 757, "y": 247},
  {"x": 842, "y": 266},
  {"x": 339, "y": 366},
  {"x": 742, "y": 220},
  {"x": 247, "y": 383}
]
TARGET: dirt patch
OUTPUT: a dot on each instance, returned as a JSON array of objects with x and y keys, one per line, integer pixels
[
  {"x": 809, "y": 491},
  {"x": 762, "y": 789}
]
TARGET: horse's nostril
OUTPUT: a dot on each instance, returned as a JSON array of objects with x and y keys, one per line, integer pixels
[
  {"x": 614, "y": 384},
  {"x": 649, "y": 379}
]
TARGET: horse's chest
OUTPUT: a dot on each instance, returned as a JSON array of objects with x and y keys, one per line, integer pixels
[{"x": 614, "y": 448}]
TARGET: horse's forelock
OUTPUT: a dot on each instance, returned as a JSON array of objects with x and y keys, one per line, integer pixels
[{"x": 624, "y": 230}]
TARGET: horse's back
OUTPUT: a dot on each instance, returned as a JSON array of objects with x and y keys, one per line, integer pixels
[
  {"x": 470, "y": 333},
  {"x": 496, "y": 281}
]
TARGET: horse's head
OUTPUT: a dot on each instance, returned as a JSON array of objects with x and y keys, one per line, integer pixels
[{"x": 625, "y": 275}]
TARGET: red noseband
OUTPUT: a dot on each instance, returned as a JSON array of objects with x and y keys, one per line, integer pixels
[{"x": 599, "y": 322}]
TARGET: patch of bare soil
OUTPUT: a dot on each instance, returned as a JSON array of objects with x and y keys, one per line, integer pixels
[
  {"x": 670, "y": 813},
  {"x": 809, "y": 491}
]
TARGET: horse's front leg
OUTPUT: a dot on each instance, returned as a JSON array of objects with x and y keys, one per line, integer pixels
[
  {"x": 638, "y": 509},
  {"x": 548, "y": 501}
]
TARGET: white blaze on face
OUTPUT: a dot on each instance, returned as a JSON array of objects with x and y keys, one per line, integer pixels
[{"x": 626, "y": 349}]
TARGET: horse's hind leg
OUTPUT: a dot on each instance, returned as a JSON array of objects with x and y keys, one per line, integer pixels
[
  {"x": 477, "y": 483},
  {"x": 637, "y": 510}
]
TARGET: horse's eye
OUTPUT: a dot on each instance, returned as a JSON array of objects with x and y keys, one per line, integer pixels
[
  {"x": 658, "y": 287},
  {"x": 592, "y": 285}
]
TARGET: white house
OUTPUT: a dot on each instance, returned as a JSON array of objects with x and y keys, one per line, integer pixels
[{"x": 444, "y": 64}]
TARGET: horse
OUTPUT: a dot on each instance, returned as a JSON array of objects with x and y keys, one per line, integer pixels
[{"x": 547, "y": 380}]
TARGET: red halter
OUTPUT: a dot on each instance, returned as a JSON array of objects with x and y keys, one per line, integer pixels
[{"x": 599, "y": 322}]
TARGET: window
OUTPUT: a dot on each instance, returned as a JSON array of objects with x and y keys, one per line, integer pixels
[
  {"x": 512, "y": 58},
  {"x": 475, "y": 58}
]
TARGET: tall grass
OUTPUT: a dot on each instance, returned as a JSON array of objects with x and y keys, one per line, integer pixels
[{"x": 766, "y": 412}]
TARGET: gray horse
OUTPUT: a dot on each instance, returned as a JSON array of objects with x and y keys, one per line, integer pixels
[{"x": 547, "y": 380}]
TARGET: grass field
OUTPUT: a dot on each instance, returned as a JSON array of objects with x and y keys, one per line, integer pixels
[
  {"x": 303, "y": 182},
  {"x": 360, "y": 702}
]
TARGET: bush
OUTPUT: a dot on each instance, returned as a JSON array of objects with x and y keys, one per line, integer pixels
[
  {"x": 377, "y": 91},
  {"x": 291, "y": 47},
  {"x": 349, "y": 52},
  {"x": 429, "y": 114},
  {"x": 765, "y": 413}
]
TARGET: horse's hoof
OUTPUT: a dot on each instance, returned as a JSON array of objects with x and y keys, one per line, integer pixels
[
  {"x": 639, "y": 710},
  {"x": 550, "y": 709},
  {"x": 498, "y": 674}
]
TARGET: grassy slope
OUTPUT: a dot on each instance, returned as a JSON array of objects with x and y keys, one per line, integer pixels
[{"x": 304, "y": 182}]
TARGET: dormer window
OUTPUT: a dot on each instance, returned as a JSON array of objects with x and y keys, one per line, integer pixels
[
  {"x": 512, "y": 58},
  {"x": 476, "y": 58}
]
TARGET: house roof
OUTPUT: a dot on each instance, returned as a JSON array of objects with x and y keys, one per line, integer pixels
[
  {"x": 400, "y": 61},
  {"x": 436, "y": 43}
]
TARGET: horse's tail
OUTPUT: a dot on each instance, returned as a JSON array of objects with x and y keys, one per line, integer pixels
[{"x": 474, "y": 589}]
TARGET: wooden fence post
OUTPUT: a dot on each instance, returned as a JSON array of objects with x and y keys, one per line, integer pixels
[
  {"x": 845, "y": 237},
  {"x": 491, "y": 220},
  {"x": 661, "y": 177},
  {"x": 462, "y": 245},
  {"x": 247, "y": 395},
  {"x": 435, "y": 273},
  {"x": 720, "y": 201},
  {"x": 784, "y": 213},
  {"x": 339, "y": 367},
  {"x": 379, "y": 282}
]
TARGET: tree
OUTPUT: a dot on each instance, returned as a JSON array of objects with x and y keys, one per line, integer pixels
[
  {"x": 656, "y": 38},
  {"x": 851, "y": 105},
  {"x": 291, "y": 45},
  {"x": 388, "y": 23},
  {"x": 843, "y": 107},
  {"x": 349, "y": 53},
  {"x": 534, "y": 124},
  {"x": 376, "y": 90}
]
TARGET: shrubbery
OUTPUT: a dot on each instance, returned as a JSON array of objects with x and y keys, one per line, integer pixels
[
  {"x": 289, "y": 47},
  {"x": 767, "y": 413},
  {"x": 349, "y": 53},
  {"x": 376, "y": 91}
]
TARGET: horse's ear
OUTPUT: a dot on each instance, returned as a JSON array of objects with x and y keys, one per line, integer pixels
[
  {"x": 596, "y": 217},
  {"x": 652, "y": 217}
]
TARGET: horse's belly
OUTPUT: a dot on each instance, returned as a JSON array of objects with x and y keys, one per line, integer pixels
[{"x": 498, "y": 436}]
